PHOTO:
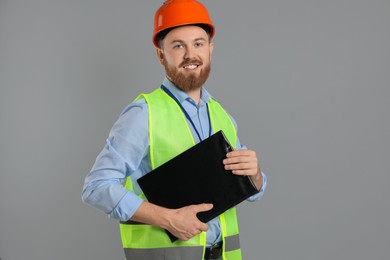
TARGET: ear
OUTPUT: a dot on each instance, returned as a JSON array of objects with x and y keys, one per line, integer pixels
[
  {"x": 160, "y": 56},
  {"x": 211, "y": 46}
]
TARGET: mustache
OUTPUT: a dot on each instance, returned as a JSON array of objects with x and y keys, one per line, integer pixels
[{"x": 191, "y": 61}]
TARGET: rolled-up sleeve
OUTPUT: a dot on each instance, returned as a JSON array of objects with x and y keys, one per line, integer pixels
[
  {"x": 126, "y": 146},
  {"x": 260, "y": 194}
]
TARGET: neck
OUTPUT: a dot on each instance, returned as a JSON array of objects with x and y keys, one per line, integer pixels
[{"x": 195, "y": 95}]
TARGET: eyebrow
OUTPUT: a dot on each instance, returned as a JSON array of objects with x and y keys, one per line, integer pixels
[{"x": 195, "y": 40}]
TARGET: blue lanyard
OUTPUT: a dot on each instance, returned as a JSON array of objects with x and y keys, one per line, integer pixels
[{"x": 185, "y": 112}]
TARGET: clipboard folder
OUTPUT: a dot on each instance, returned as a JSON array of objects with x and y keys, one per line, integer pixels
[{"x": 198, "y": 176}]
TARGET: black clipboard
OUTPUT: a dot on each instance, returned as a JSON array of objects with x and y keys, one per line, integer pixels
[{"x": 198, "y": 176}]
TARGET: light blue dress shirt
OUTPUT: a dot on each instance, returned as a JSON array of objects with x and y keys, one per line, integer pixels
[{"x": 126, "y": 154}]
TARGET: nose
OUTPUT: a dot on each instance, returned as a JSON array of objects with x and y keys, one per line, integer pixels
[{"x": 190, "y": 53}]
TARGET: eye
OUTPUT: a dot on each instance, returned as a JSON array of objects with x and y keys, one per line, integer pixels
[
  {"x": 178, "y": 46},
  {"x": 199, "y": 44}
]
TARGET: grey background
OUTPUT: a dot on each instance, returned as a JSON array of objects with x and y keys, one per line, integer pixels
[{"x": 307, "y": 81}]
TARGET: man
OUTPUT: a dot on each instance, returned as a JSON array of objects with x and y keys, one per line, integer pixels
[{"x": 160, "y": 125}]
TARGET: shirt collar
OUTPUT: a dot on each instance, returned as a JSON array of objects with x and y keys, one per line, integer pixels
[{"x": 182, "y": 96}]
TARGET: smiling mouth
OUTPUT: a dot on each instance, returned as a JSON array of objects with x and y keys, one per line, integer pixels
[{"x": 191, "y": 66}]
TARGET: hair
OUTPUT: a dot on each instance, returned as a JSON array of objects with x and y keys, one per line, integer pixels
[{"x": 161, "y": 35}]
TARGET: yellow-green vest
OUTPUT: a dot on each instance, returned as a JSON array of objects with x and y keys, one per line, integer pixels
[{"x": 170, "y": 135}]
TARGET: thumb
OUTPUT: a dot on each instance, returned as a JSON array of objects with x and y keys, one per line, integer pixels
[{"x": 204, "y": 207}]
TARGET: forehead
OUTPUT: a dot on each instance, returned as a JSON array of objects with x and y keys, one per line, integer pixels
[{"x": 186, "y": 33}]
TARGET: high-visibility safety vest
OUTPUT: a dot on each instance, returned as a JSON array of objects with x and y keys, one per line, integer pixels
[{"x": 169, "y": 136}]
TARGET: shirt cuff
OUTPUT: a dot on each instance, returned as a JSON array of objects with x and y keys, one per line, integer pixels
[
  {"x": 126, "y": 207},
  {"x": 260, "y": 194}
]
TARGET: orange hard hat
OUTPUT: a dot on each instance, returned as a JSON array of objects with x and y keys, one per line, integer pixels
[{"x": 175, "y": 13}]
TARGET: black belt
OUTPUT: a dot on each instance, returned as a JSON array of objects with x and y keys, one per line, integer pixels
[{"x": 213, "y": 252}]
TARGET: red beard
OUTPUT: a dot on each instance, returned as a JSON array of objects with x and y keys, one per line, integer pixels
[{"x": 190, "y": 82}]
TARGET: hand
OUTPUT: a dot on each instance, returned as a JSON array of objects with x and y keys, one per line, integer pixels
[
  {"x": 244, "y": 162},
  {"x": 183, "y": 222}
]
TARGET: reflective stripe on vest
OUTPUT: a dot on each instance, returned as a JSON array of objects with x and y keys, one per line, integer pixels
[
  {"x": 170, "y": 135},
  {"x": 171, "y": 253}
]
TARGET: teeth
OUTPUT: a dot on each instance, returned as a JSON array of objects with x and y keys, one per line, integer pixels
[{"x": 190, "y": 66}]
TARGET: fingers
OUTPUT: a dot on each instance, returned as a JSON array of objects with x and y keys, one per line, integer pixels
[
  {"x": 236, "y": 153},
  {"x": 190, "y": 232},
  {"x": 201, "y": 208},
  {"x": 203, "y": 227},
  {"x": 242, "y": 162},
  {"x": 185, "y": 223}
]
